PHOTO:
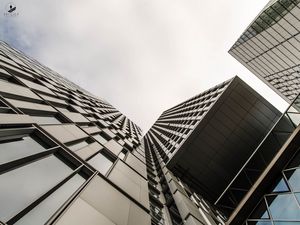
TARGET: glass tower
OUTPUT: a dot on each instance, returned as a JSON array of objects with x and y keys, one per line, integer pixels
[{"x": 270, "y": 47}]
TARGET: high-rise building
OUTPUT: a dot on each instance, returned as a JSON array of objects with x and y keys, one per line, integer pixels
[
  {"x": 202, "y": 144},
  {"x": 257, "y": 194},
  {"x": 223, "y": 157},
  {"x": 66, "y": 156},
  {"x": 270, "y": 47}
]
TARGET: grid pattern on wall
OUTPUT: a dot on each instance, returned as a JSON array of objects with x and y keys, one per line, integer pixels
[
  {"x": 182, "y": 204},
  {"x": 64, "y": 152},
  {"x": 175, "y": 125},
  {"x": 270, "y": 47},
  {"x": 198, "y": 147},
  {"x": 69, "y": 157},
  {"x": 260, "y": 159}
]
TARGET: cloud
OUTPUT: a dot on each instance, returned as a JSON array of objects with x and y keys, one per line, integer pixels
[{"x": 142, "y": 56}]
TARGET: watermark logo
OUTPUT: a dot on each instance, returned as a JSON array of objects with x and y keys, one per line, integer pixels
[{"x": 11, "y": 10}]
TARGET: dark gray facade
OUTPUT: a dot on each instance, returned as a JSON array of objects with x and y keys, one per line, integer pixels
[
  {"x": 203, "y": 143},
  {"x": 224, "y": 138},
  {"x": 264, "y": 191}
]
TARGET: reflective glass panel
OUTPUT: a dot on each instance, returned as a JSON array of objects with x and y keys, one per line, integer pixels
[
  {"x": 283, "y": 207},
  {"x": 18, "y": 148},
  {"x": 42, "y": 212},
  {"x": 259, "y": 223},
  {"x": 294, "y": 179},
  {"x": 281, "y": 186},
  {"x": 286, "y": 223},
  {"x": 20, "y": 187},
  {"x": 298, "y": 197}
]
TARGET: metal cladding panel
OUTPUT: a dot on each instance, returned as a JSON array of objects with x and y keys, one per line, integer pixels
[
  {"x": 83, "y": 213},
  {"x": 223, "y": 140},
  {"x": 131, "y": 182},
  {"x": 89, "y": 207}
]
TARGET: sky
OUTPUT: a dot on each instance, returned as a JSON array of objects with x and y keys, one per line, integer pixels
[{"x": 142, "y": 56}]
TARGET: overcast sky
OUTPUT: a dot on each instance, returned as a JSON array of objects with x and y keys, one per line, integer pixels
[{"x": 142, "y": 56}]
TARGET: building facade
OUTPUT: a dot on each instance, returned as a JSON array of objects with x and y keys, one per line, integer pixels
[
  {"x": 223, "y": 157},
  {"x": 66, "y": 156},
  {"x": 262, "y": 175},
  {"x": 270, "y": 47},
  {"x": 201, "y": 145}
]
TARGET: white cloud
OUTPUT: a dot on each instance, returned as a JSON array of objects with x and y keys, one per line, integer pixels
[{"x": 142, "y": 56}]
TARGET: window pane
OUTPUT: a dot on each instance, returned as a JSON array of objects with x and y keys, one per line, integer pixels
[
  {"x": 259, "y": 223},
  {"x": 41, "y": 213},
  {"x": 281, "y": 186},
  {"x": 298, "y": 197},
  {"x": 294, "y": 179},
  {"x": 21, "y": 186},
  {"x": 286, "y": 223},
  {"x": 18, "y": 148},
  {"x": 101, "y": 163},
  {"x": 283, "y": 207}
]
